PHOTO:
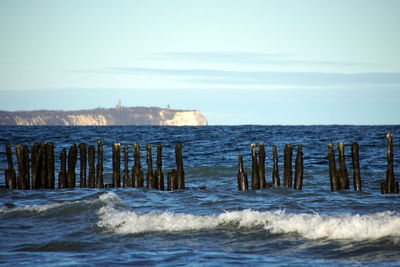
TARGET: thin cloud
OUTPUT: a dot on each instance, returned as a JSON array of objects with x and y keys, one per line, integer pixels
[{"x": 208, "y": 76}]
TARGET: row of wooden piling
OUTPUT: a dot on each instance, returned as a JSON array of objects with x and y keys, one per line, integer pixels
[
  {"x": 339, "y": 177},
  {"x": 36, "y": 169},
  {"x": 258, "y": 180}
]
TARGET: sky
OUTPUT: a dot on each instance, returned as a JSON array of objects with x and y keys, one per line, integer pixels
[{"x": 238, "y": 61}]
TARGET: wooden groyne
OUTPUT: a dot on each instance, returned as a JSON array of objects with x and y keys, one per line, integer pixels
[
  {"x": 37, "y": 171},
  {"x": 338, "y": 174}
]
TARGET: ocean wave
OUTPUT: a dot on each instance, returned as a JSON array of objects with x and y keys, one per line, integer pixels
[
  {"x": 32, "y": 208},
  {"x": 309, "y": 225}
]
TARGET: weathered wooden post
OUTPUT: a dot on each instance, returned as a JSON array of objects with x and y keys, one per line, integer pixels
[
  {"x": 99, "y": 167},
  {"x": 22, "y": 183},
  {"x": 180, "y": 173},
  {"x": 35, "y": 166},
  {"x": 335, "y": 183},
  {"x": 83, "y": 162},
  {"x": 356, "y": 166},
  {"x": 159, "y": 176},
  {"x": 261, "y": 165},
  {"x": 116, "y": 155},
  {"x": 50, "y": 165},
  {"x": 255, "y": 181},
  {"x": 342, "y": 172},
  {"x": 11, "y": 182},
  {"x": 298, "y": 173},
  {"x": 137, "y": 173},
  {"x": 243, "y": 184},
  {"x": 275, "y": 170},
  {"x": 287, "y": 166},
  {"x": 62, "y": 175},
  {"x": 25, "y": 160},
  {"x": 390, "y": 186},
  {"x": 92, "y": 172},
  {"x": 43, "y": 165},
  {"x": 72, "y": 159},
  {"x": 172, "y": 180},
  {"x": 150, "y": 175},
  {"x": 127, "y": 179}
]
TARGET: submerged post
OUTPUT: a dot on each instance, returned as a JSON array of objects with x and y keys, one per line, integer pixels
[
  {"x": 137, "y": 173},
  {"x": 83, "y": 161},
  {"x": 275, "y": 170},
  {"x": 298, "y": 173},
  {"x": 92, "y": 172},
  {"x": 127, "y": 179},
  {"x": 356, "y": 166},
  {"x": 11, "y": 182},
  {"x": 255, "y": 181},
  {"x": 261, "y": 166},
  {"x": 335, "y": 184},
  {"x": 242, "y": 176},
  {"x": 172, "y": 180},
  {"x": 342, "y": 172},
  {"x": 180, "y": 173},
  {"x": 150, "y": 176},
  {"x": 116, "y": 165},
  {"x": 99, "y": 167},
  {"x": 287, "y": 166},
  {"x": 390, "y": 186},
  {"x": 159, "y": 175},
  {"x": 62, "y": 175}
]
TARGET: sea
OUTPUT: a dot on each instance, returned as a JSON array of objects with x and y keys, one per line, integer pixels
[{"x": 210, "y": 222}]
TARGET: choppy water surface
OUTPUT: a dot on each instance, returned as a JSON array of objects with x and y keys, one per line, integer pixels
[{"x": 211, "y": 222}]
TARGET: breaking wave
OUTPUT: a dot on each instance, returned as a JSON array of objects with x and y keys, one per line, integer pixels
[{"x": 356, "y": 227}]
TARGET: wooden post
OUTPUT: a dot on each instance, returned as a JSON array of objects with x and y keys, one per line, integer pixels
[
  {"x": 261, "y": 165},
  {"x": 255, "y": 181},
  {"x": 356, "y": 166},
  {"x": 298, "y": 173},
  {"x": 159, "y": 175},
  {"x": 35, "y": 166},
  {"x": 335, "y": 184},
  {"x": 342, "y": 172},
  {"x": 62, "y": 175},
  {"x": 72, "y": 158},
  {"x": 92, "y": 172},
  {"x": 287, "y": 166},
  {"x": 50, "y": 165},
  {"x": 11, "y": 182},
  {"x": 180, "y": 173},
  {"x": 275, "y": 170},
  {"x": 22, "y": 183},
  {"x": 390, "y": 186},
  {"x": 99, "y": 167},
  {"x": 172, "y": 180},
  {"x": 150, "y": 176},
  {"x": 137, "y": 173},
  {"x": 83, "y": 161},
  {"x": 43, "y": 166},
  {"x": 25, "y": 159},
  {"x": 127, "y": 179},
  {"x": 116, "y": 175},
  {"x": 242, "y": 176}
]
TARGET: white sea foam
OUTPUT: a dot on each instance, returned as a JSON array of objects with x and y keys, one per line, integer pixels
[{"x": 308, "y": 225}]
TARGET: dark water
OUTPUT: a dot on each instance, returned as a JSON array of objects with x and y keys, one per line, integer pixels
[{"x": 217, "y": 225}]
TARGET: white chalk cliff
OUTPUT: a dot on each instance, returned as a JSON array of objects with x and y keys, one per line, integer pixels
[{"x": 101, "y": 116}]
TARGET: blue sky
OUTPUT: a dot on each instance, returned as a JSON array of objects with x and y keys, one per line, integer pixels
[{"x": 239, "y": 62}]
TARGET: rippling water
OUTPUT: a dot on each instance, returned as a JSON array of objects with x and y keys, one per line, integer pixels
[{"x": 211, "y": 222}]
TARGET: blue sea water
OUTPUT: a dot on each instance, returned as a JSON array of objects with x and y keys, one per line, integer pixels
[{"x": 210, "y": 222}]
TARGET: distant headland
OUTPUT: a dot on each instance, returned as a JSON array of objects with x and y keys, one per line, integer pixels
[{"x": 119, "y": 115}]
